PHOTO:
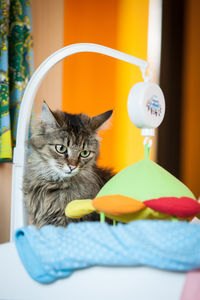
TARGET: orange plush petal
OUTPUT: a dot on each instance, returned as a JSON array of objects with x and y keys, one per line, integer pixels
[{"x": 117, "y": 205}]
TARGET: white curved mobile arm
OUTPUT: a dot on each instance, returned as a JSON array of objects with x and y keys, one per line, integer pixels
[
  {"x": 18, "y": 212},
  {"x": 37, "y": 77}
]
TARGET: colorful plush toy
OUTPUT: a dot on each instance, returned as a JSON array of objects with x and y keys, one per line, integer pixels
[{"x": 143, "y": 190}]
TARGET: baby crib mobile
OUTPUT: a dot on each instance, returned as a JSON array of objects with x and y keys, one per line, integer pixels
[{"x": 145, "y": 186}]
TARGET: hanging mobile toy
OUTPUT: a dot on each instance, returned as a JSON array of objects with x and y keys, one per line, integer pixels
[{"x": 143, "y": 190}]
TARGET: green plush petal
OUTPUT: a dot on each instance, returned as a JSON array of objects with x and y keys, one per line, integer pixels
[{"x": 145, "y": 180}]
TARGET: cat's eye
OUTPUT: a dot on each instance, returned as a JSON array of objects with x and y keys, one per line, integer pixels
[
  {"x": 61, "y": 149},
  {"x": 85, "y": 153}
]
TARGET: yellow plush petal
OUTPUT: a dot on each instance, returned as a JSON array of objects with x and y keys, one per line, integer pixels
[
  {"x": 77, "y": 209},
  {"x": 146, "y": 213}
]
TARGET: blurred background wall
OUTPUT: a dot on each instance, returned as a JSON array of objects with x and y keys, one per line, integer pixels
[
  {"x": 179, "y": 135},
  {"x": 190, "y": 124},
  {"x": 92, "y": 83}
]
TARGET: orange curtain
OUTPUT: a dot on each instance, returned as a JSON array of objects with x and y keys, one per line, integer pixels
[
  {"x": 90, "y": 79},
  {"x": 93, "y": 83}
]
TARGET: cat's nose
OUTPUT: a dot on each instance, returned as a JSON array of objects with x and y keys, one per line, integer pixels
[{"x": 72, "y": 167}]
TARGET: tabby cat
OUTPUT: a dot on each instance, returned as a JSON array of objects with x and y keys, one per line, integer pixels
[{"x": 63, "y": 165}]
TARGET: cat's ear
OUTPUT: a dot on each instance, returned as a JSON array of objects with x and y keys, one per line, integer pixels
[
  {"x": 47, "y": 115},
  {"x": 101, "y": 121}
]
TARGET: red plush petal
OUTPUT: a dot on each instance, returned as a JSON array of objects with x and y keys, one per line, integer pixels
[{"x": 183, "y": 207}]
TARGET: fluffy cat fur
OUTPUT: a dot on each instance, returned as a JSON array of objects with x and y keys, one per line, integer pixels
[{"x": 62, "y": 165}]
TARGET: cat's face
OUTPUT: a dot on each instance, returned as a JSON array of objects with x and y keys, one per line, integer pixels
[
  {"x": 67, "y": 144},
  {"x": 68, "y": 154}
]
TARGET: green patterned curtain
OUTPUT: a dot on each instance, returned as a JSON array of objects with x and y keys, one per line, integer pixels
[{"x": 16, "y": 65}]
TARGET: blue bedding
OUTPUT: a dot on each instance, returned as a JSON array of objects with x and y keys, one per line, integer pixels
[{"x": 55, "y": 252}]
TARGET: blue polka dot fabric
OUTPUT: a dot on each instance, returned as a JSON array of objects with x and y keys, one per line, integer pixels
[{"x": 55, "y": 252}]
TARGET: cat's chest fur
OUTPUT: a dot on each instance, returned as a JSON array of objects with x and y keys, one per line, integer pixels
[
  {"x": 78, "y": 188},
  {"x": 47, "y": 200}
]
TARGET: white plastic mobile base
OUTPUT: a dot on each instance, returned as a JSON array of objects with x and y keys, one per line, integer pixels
[{"x": 138, "y": 283}]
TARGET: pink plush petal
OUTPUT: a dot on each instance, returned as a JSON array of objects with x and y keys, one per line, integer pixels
[{"x": 183, "y": 207}]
